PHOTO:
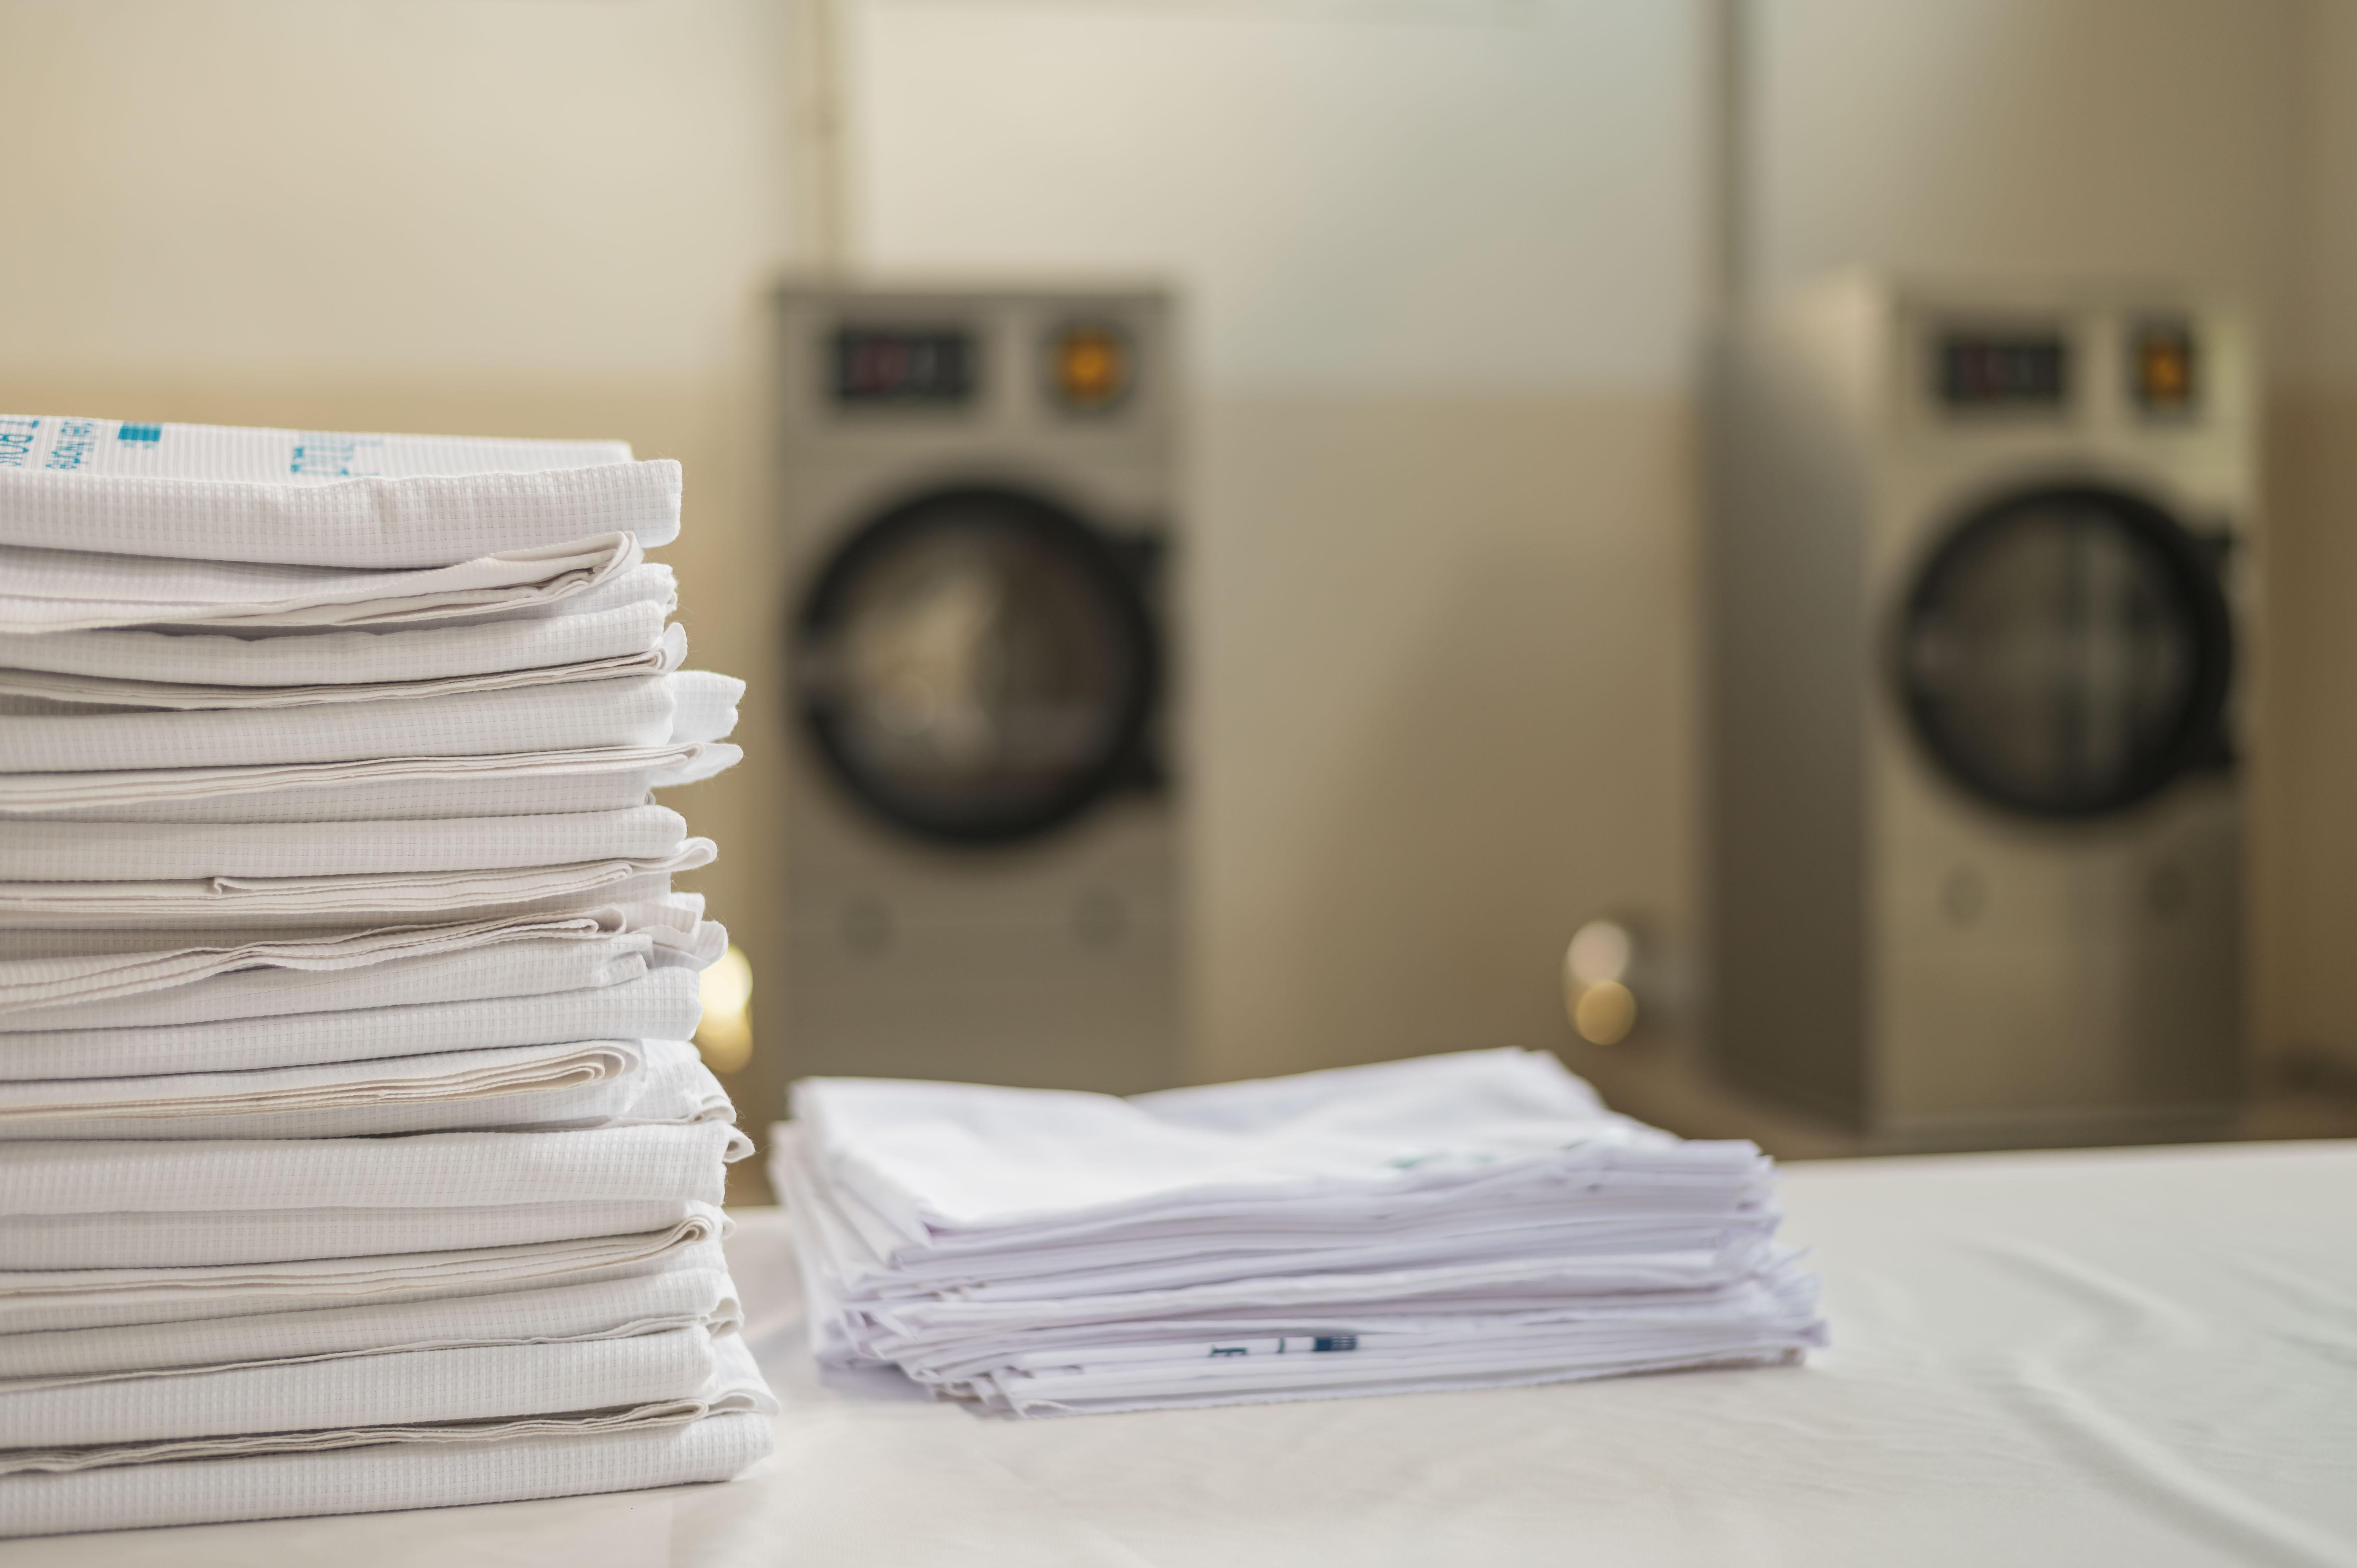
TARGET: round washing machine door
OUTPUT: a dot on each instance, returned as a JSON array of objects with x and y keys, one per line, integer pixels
[
  {"x": 978, "y": 666},
  {"x": 2066, "y": 652}
]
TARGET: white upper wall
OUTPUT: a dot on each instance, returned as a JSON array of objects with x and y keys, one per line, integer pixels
[
  {"x": 2137, "y": 138},
  {"x": 510, "y": 185},
  {"x": 1493, "y": 196}
]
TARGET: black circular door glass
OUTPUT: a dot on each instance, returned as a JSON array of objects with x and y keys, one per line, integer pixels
[
  {"x": 2066, "y": 652},
  {"x": 978, "y": 666}
]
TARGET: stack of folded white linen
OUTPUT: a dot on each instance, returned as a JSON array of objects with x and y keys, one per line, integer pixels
[
  {"x": 1460, "y": 1221},
  {"x": 352, "y": 1153}
]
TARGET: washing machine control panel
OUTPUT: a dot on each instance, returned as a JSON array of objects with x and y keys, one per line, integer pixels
[
  {"x": 1059, "y": 366},
  {"x": 2147, "y": 368}
]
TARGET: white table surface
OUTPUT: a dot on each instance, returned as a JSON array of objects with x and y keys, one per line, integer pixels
[{"x": 2137, "y": 1356}]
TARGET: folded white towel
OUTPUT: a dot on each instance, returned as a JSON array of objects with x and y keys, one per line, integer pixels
[
  {"x": 72, "y": 590},
  {"x": 678, "y": 709},
  {"x": 101, "y": 852},
  {"x": 371, "y": 898},
  {"x": 39, "y": 691},
  {"x": 342, "y": 658},
  {"x": 52, "y": 1299},
  {"x": 299, "y": 1404},
  {"x": 732, "y": 1384},
  {"x": 391, "y": 800},
  {"x": 131, "y": 1238},
  {"x": 31, "y": 983},
  {"x": 599, "y": 1083},
  {"x": 381, "y": 787},
  {"x": 672, "y": 918},
  {"x": 380, "y": 1478},
  {"x": 216, "y": 493},
  {"x": 523, "y": 969},
  {"x": 461, "y": 1170},
  {"x": 672, "y": 1298},
  {"x": 648, "y": 582},
  {"x": 662, "y": 1006}
]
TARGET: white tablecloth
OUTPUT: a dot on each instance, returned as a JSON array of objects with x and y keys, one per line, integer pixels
[{"x": 2137, "y": 1356}]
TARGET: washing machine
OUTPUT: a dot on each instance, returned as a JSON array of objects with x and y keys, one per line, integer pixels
[
  {"x": 1984, "y": 576},
  {"x": 982, "y": 843}
]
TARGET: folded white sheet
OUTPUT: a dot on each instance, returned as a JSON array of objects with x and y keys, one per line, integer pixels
[
  {"x": 661, "y": 1006},
  {"x": 51, "y": 1429},
  {"x": 1216, "y": 1373},
  {"x": 154, "y": 852},
  {"x": 72, "y": 590},
  {"x": 673, "y": 1298},
  {"x": 27, "y": 984},
  {"x": 217, "y": 493},
  {"x": 372, "y": 899},
  {"x": 431, "y": 1170},
  {"x": 409, "y": 786},
  {"x": 380, "y": 1479},
  {"x": 130, "y": 1239},
  {"x": 858, "y": 1319},
  {"x": 935, "y": 1162},
  {"x": 342, "y": 658},
  {"x": 1775, "y": 1291},
  {"x": 49, "y": 1300},
  {"x": 603, "y": 1083},
  {"x": 42, "y": 691},
  {"x": 678, "y": 709},
  {"x": 1462, "y": 1221}
]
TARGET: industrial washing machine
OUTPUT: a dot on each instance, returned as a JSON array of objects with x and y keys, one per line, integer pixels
[
  {"x": 981, "y": 850},
  {"x": 1985, "y": 578}
]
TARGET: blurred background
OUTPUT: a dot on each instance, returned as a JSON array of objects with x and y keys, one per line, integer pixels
[{"x": 1408, "y": 309}]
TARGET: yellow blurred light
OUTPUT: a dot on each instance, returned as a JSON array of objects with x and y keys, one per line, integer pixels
[
  {"x": 725, "y": 1035},
  {"x": 1599, "y": 951},
  {"x": 1605, "y": 1012},
  {"x": 1092, "y": 367}
]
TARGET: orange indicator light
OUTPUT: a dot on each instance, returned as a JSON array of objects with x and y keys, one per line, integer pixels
[
  {"x": 2163, "y": 369},
  {"x": 1092, "y": 367}
]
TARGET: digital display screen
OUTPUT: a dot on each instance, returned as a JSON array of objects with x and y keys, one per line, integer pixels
[
  {"x": 929, "y": 367},
  {"x": 2004, "y": 369}
]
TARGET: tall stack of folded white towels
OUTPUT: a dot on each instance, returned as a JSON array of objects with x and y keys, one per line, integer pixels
[
  {"x": 1457, "y": 1221},
  {"x": 352, "y": 1153}
]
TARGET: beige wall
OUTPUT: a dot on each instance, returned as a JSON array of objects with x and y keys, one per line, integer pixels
[
  {"x": 428, "y": 188},
  {"x": 2312, "y": 928},
  {"x": 1440, "y": 281},
  {"x": 2113, "y": 137},
  {"x": 1448, "y": 701}
]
